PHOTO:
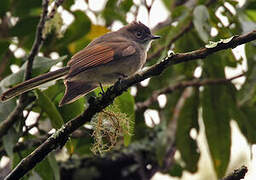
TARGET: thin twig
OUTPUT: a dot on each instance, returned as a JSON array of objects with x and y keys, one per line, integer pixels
[
  {"x": 23, "y": 100},
  {"x": 141, "y": 106},
  {"x": 96, "y": 105}
]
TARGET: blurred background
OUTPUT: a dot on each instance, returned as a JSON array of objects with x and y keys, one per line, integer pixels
[{"x": 212, "y": 125}]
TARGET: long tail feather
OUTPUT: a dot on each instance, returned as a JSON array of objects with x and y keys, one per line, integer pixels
[{"x": 33, "y": 83}]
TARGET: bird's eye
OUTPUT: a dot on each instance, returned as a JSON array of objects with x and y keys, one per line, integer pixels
[{"x": 138, "y": 34}]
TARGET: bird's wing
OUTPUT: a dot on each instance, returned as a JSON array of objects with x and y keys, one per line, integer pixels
[{"x": 99, "y": 54}]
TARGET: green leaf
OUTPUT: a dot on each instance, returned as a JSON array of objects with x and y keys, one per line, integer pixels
[
  {"x": 162, "y": 143},
  {"x": 79, "y": 28},
  {"x": 169, "y": 4},
  {"x": 182, "y": 45},
  {"x": 53, "y": 91},
  {"x": 251, "y": 14},
  {"x": 6, "y": 107},
  {"x": 41, "y": 65},
  {"x": 248, "y": 89},
  {"x": 9, "y": 141},
  {"x": 188, "y": 120},
  {"x": 251, "y": 5},
  {"x": 216, "y": 120},
  {"x": 82, "y": 146},
  {"x": 70, "y": 111},
  {"x": 68, "y": 4},
  {"x": 25, "y": 27},
  {"x": 201, "y": 22},
  {"x": 32, "y": 176},
  {"x": 5, "y": 5},
  {"x": 176, "y": 170},
  {"x": 245, "y": 120},
  {"x": 112, "y": 12},
  {"x": 47, "y": 106},
  {"x": 232, "y": 2},
  {"x": 179, "y": 12},
  {"x": 216, "y": 116},
  {"x": 54, "y": 166},
  {"x": 126, "y": 5},
  {"x": 45, "y": 170},
  {"x": 17, "y": 156},
  {"x": 31, "y": 7},
  {"x": 126, "y": 105}
]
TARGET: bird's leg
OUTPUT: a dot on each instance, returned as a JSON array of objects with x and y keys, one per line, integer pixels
[
  {"x": 121, "y": 77},
  {"x": 102, "y": 90}
]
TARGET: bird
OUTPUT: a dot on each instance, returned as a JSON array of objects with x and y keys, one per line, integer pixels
[{"x": 108, "y": 58}]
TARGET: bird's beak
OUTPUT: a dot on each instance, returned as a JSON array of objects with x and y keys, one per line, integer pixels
[{"x": 154, "y": 37}]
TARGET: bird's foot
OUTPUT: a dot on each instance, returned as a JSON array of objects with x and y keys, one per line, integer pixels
[{"x": 102, "y": 90}]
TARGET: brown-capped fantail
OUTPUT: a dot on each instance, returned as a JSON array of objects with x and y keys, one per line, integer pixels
[{"x": 108, "y": 58}]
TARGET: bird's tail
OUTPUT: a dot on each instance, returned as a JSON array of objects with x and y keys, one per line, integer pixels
[{"x": 33, "y": 83}]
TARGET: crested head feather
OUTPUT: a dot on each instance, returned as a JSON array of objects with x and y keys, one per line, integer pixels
[{"x": 137, "y": 26}]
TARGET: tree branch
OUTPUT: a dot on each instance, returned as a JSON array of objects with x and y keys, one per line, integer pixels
[
  {"x": 184, "y": 30},
  {"x": 96, "y": 105},
  {"x": 141, "y": 106},
  {"x": 237, "y": 174}
]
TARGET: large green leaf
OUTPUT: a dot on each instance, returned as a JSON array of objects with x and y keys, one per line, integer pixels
[
  {"x": 244, "y": 116},
  {"x": 126, "y": 5},
  {"x": 70, "y": 111},
  {"x": 201, "y": 22},
  {"x": 48, "y": 106},
  {"x": 113, "y": 12},
  {"x": 216, "y": 116},
  {"x": 9, "y": 141},
  {"x": 188, "y": 120},
  {"x": 41, "y": 65},
  {"x": 216, "y": 121},
  {"x": 54, "y": 166},
  {"x": 53, "y": 91},
  {"x": 126, "y": 105}
]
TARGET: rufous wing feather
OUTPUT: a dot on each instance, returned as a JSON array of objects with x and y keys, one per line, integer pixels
[{"x": 99, "y": 54}]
